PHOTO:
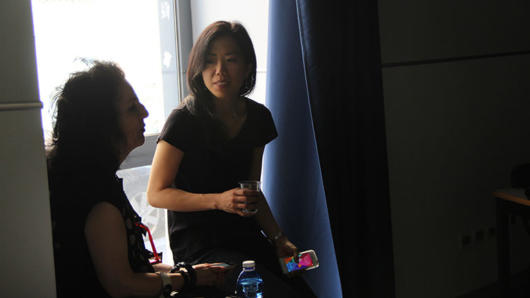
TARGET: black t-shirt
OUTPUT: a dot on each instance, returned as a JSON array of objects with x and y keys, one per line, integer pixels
[
  {"x": 72, "y": 197},
  {"x": 213, "y": 164}
]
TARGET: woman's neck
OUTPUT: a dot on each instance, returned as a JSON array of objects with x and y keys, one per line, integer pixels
[
  {"x": 229, "y": 108},
  {"x": 123, "y": 153},
  {"x": 232, "y": 114}
]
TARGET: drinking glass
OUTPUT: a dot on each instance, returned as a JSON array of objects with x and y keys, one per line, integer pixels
[{"x": 252, "y": 185}]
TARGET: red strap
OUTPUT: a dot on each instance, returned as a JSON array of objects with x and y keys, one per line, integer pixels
[{"x": 157, "y": 258}]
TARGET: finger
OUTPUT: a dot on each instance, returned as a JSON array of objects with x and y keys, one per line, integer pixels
[
  {"x": 221, "y": 267},
  {"x": 245, "y": 206},
  {"x": 248, "y": 209},
  {"x": 295, "y": 254},
  {"x": 240, "y": 212},
  {"x": 251, "y": 200},
  {"x": 250, "y": 192},
  {"x": 246, "y": 214},
  {"x": 251, "y": 206},
  {"x": 241, "y": 206},
  {"x": 240, "y": 192},
  {"x": 245, "y": 199},
  {"x": 239, "y": 199},
  {"x": 200, "y": 266},
  {"x": 251, "y": 210}
]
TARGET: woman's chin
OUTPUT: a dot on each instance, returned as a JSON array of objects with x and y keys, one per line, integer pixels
[
  {"x": 224, "y": 95},
  {"x": 141, "y": 141}
]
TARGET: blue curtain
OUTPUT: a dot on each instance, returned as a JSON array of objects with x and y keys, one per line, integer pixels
[
  {"x": 327, "y": 173},
  {"x": 292, "y": 176}
]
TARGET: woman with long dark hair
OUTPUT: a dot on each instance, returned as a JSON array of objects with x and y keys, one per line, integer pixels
[
  {"x": 98, "y": 244},
  {"x": 215, "y": 139}
]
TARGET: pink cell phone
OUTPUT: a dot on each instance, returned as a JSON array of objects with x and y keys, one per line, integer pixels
[{"x": 307, "y": 260}]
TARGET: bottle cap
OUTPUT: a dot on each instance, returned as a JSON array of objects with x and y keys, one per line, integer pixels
[{"x": 249, "y": 264}]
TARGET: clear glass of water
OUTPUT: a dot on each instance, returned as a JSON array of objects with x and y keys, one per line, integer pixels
[{"x": 252, "y": 185}]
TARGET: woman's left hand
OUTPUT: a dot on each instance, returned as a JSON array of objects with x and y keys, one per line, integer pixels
[{"x": 285, "y": 248}]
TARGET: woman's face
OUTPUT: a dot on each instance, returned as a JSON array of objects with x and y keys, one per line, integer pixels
[
  {"x": 225, "y": 69},
  {"x": 131, "y": 115}
]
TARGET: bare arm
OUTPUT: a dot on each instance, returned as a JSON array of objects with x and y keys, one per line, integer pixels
[
  {"x": 265, "y": 218},
  {"x": 161, "y": 194},
  {"x": 106, "y": 238}
]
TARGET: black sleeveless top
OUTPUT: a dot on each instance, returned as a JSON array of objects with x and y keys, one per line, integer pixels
[
  {"x": 72, "y": 197},
  {"x": 213, "y": 164}
]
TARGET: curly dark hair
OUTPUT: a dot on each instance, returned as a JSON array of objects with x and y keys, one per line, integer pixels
[
  {"x": 200, "y": 99},
  {"x": 86, "y": 133}
]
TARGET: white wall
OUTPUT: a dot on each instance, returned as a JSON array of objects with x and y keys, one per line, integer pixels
[
  {"x": 454, "y": 131},
  {"x": 26, "y": 254}
]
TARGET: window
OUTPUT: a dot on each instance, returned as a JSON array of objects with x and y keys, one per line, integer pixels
[
  {"x": 70, "y": 34},
  {"x": 150, "y": 40}
]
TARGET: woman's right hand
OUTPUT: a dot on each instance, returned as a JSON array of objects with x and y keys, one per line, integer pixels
[
  {"x": 210, "y": 274},
  {"x": 237, "y": 200}
]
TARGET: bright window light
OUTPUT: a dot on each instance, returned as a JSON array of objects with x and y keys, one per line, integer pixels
[{"x": 68, "y": 34}]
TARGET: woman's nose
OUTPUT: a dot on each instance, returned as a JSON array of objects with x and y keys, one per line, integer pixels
[
  {"x": 220, "y": 67},
  {"x": 143, "y": 111}
]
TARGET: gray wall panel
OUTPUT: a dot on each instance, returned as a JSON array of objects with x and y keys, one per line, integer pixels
[
  {"x": 454, "y": 131},
  {"x": 18, "y": 78},
  {"x": 26, "y": 251},
  {"x": 414, "y": 30}
]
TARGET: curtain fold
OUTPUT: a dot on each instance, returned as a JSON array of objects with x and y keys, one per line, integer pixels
[
  {"x": 292, "y": 176},
  {"x": 341, "y": 56}
]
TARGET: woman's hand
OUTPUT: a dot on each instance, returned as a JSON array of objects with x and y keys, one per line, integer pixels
[
  {"x": 210, "y": 274},
  {"x": 285, "y": 248},
  {"x": 161, "y": 267},
  {"x": 238, "y": 201}
]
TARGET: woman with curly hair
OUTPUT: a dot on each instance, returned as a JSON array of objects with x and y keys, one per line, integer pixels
[{"x": 98, "y": 243}]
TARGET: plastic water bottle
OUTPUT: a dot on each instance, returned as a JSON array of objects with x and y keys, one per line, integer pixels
[{"x": 249, "y": 283}]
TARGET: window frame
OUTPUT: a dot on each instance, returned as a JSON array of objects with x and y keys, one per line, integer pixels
[{"x": 143, "y": 155}]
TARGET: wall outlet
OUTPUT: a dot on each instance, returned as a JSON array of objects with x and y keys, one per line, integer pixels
[{"x": 476, "y": 237}]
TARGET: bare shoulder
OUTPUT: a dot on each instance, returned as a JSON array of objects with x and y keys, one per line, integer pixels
[{"x": 103, "y": 213}]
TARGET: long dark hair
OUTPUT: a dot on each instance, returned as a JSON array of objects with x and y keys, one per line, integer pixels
[
  {"x": 86, "y": 133},
  {"x": 200, "y": 99}
]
